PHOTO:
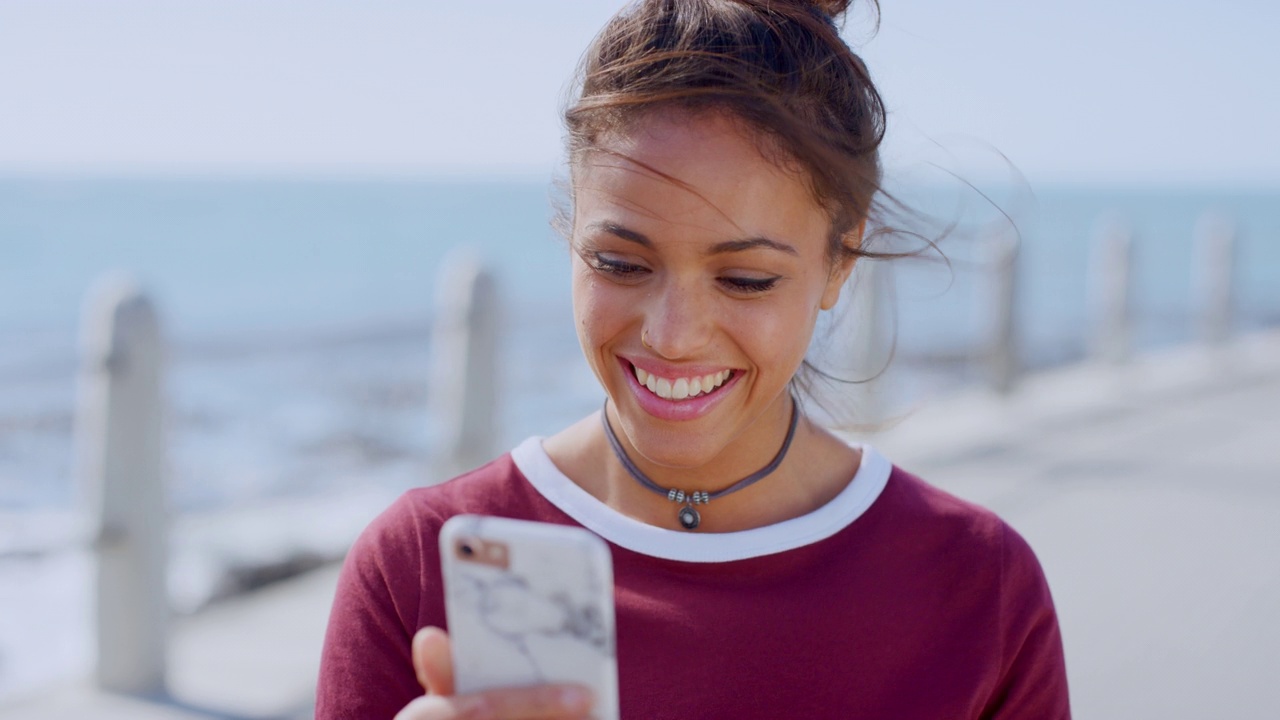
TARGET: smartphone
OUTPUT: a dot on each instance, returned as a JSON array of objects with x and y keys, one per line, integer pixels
[{"x": 529, "y": 603}]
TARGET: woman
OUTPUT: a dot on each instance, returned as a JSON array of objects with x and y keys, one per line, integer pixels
[{"x": 723, "y": 159}]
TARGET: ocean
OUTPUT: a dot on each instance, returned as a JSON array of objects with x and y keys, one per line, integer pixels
[
  {"x": 299, "y": 312},
  {"x": 298, "y": 316}
]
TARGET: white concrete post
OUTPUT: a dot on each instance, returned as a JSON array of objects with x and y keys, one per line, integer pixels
[
  {"x": 1110, "y": 292},
  {"x": 1001, "y": 356},
  {"x": 120, "y": 463},
  {"x": 464, "y": 339},
  {"x": 1211, "y": 281}
]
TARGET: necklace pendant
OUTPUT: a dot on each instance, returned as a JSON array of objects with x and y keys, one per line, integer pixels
[{"x": 689, "y": 518}]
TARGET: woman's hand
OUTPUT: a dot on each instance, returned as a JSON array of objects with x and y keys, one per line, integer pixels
[{"x": 433, "y": 664}]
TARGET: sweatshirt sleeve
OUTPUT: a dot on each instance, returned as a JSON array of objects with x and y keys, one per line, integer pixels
[
  {"x": 1033, "y": 680},
  {"x": 366, "y": 666}
]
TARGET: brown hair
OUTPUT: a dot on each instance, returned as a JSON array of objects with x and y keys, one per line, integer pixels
[{"x": 779, "y": 66}]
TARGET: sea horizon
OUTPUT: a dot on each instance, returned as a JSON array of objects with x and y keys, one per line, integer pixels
[{"x": 299, "y": 311}]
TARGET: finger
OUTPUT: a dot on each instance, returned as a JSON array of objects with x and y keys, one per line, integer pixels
[
  {"x": 427, "y": 707},
  {"x": 518, "y": 705},
  {"x": 545, "y": 702},
  {"x": 432, "y": 661}
]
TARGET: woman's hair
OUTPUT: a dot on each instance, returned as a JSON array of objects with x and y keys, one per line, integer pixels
[
  {"x": 778, "y": 66},
  {"x": 781, "y": 69}
]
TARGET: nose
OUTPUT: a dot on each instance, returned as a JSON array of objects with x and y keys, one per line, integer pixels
[{"x": 678, "y": 321}]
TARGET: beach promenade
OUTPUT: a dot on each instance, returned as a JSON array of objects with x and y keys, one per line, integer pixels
[{"x": 1150, "y": 492}]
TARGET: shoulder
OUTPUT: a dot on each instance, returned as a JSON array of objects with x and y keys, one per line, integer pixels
[
  {"x": 922, "y": 521},
  {"x": 395, "y": 549},
  {"x": 978, "y": 561},
  {"x": 930, "y": 512},
  {"x": 389, "y": 587},
  {"x": 412, "y": 522}
]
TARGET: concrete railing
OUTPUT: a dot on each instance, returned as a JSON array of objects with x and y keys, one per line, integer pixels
[
  {"x": 121, "y": 468},
  {"x": 1000, "y": 354},
  {"x": 120, "y": 416},
  {"x": 1110, "y": 295},
  {"x": 1211, "y": 287},
  {"x": 1212, "y": 280},
  {"x": 464, "y": 373},
  {"x": 1110, "y": 288},
  {"x": 121, "y": 448}
]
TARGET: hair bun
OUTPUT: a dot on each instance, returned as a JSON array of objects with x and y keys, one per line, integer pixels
[{"x": 831, "y": 8}]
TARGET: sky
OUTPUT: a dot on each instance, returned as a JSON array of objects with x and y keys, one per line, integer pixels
[{"x": 1091, "y": 91}]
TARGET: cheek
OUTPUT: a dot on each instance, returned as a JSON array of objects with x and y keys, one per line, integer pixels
[
  {"x": 776, "y": 337},
  {"x": 597, "y": 312}
]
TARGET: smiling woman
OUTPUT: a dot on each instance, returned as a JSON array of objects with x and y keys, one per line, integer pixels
[
  {"x": 699, "y": 264},
  {"x": 695, "y": 256},
  {"x": 724, "y": 163}
]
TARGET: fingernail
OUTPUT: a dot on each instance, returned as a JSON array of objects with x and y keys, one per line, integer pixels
[{"x": 574, "y": 697}]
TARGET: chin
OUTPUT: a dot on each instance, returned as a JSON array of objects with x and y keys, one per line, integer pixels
[
  {"x": 658, "y": 448},
  {"x": 679, "y": 445}
]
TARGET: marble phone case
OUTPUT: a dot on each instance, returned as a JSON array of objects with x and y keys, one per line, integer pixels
[{"x": 529, "y": 603}]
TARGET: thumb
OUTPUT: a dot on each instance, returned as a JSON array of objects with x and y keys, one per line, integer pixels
[{"x": 432, "y": 661}]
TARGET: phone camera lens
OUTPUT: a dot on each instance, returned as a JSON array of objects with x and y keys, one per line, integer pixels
[{"x": 466, "y": 550}]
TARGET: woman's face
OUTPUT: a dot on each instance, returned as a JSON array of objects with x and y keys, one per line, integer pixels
[{"x": 695, "y": 294}]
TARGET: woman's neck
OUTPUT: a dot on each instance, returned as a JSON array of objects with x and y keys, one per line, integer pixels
[{"x": 815, "y": 469}]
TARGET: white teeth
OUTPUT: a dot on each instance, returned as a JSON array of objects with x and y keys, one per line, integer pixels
[{"x": 681, "y": 388}]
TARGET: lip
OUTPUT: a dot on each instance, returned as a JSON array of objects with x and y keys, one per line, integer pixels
[
  {"x": 674, "y": 410},
  {"x": 661, "y": 369}
]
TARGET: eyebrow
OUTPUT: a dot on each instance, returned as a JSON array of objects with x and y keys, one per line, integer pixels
[{"x": 729, "y": 246}]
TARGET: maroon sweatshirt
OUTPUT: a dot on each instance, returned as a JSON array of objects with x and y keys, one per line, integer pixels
[{"x": 895, "y": 600}]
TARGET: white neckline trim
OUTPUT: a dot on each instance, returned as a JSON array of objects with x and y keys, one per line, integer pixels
[{"x": 868, "y": 482}]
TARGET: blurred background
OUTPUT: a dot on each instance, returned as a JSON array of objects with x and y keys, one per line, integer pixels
[{"x": 285, "y": 180}]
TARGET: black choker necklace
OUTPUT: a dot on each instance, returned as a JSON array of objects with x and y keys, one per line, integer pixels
[{"x": 689, "y": 517}]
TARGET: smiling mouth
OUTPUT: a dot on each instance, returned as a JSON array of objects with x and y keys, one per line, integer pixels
[{"x": 682, "y": 388}]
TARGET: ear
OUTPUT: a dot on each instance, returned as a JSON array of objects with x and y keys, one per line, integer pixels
[{"x": 840, "y": 273}]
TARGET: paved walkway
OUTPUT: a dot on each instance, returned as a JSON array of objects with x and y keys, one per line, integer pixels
[
  {"x": 254, "y": 656},
  {"x": 1152, "y": 496},
  {"x": 1149, "y": 492}
]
